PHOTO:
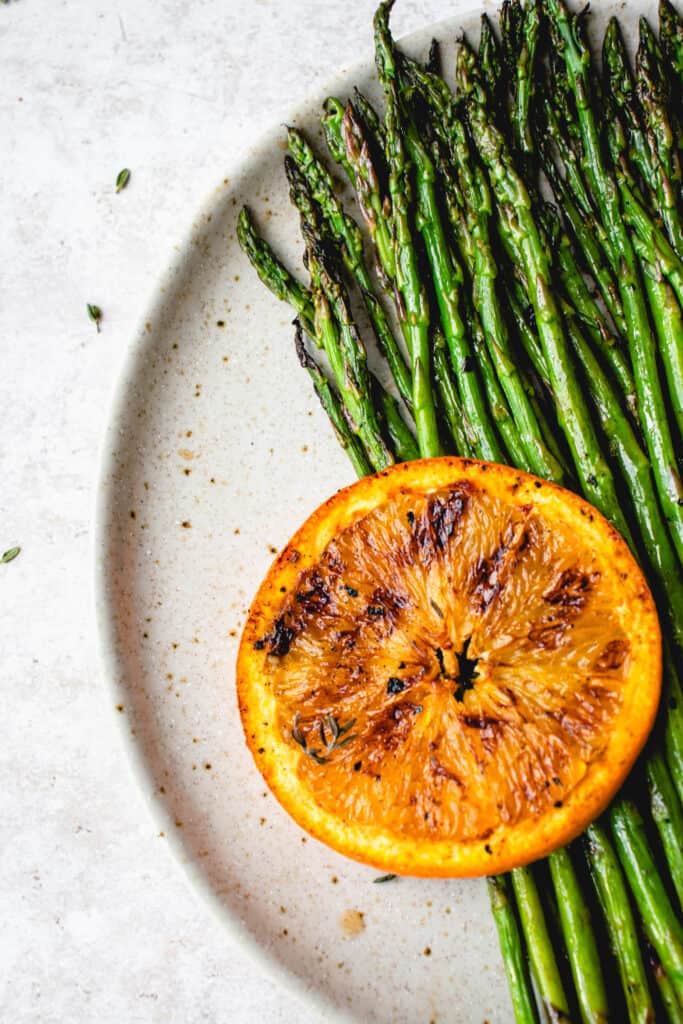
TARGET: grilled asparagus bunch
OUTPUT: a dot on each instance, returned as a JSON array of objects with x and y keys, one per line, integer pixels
[{"x": 547, "y": 336}]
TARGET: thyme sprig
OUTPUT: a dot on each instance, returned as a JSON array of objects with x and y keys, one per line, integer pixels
[
  {"x": 332, "y": 736},
  {"x": 94, "y": 314}
]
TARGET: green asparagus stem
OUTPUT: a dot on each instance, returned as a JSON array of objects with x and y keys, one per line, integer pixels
[
  {"x": 273, "y": 274},
  {"x": 350, "y": 148},
  {"x": 643, "y": 109},
  {"x": 637, "y": 472},
  {"x": 671, "y": 36},
  {"x": 663, "y": 926},
  {"x": 370, "y": 117},
  {"x": 652, "y": 408},
  {"x": 332, "y": 406},
  {"x": 335, "y": 328},
  {"x": 621, "y": 926},
  {"x": 562, "y": 128},
  {"x": 541, "y": 953},
  {"x": 668, "y": 318},
  {"x": 626, "y": 448},
  {"x": 668, "y": 817},
  {"x": 575, "y": 921},
  {"x": 490, "y": 61},
  {"x": 347, "y": 233},
  {"x": 524, "y": 82},
  {"x": 672, "y": 699},
  {"x": 667, "y": 994},
  {"x": 519, "y": 427},
  {"x": 661, "y": 261},
  {"x": 653, "y": 90},
  {"x": 448, "y": 282},
  {"x": 512, "y": 948},
  {"x": 665, "y": 182},
  {"x": 620, "y": 88},
  {"x": 515, "y": 208},
  {"x": 450, "y": 401},
  {"x": 414, "y": 306},
  {"x": 584, "y": 229},
  {"x": 590, "y": 314},
  {"x": 403, "y": 442}
]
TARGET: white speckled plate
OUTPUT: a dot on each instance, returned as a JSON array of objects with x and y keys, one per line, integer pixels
[{"x": 216, "y": 450}]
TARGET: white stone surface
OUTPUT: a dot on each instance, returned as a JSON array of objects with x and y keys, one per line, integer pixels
[{"x": 98, "y": 923}]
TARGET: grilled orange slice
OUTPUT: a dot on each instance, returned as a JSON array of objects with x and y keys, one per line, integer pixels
[{"x": 450, "y": 669}]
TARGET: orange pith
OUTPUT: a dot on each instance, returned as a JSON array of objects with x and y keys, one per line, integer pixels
[{"x": 450, "y": 669}]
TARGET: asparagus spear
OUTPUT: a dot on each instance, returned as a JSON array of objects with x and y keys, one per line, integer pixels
[
  {"x": 524, "y": 82},
  {"x": 524, "y": 437},
  {"x": 402, "y": 441},
  {"x": 370, "y": 117},
  {"x": 459, "y": 428},
  {"x": 281, "y": 283},
  {"x": 671, "y": 35},
  {"x": 620, "y": 87},
  {"x": 582, "y": 951},
  {"x": 541, "y": 953},
  {"x": 664, "y": 307},
  {"x": 668, "y": 817},
  {"x": 448, "y": 282},
  {"x": 273, "y": 273},
  {"x": 637, "y": 472},
  {"x": 603, "y": 339},
  {"x": 414, "y": 306},
  {"x": 651, "y": 404},
  {"x": 644, "y": 112},
  {"x": 667, "y": 994},
  {"x": 335, "y": 328},
  {"x": 515, "y": 209},
  {"x": 329, "y": 399},
  {"x": 621, "y": 926},
  {"x": 663, "y": 926},
  {"x": 673, "y": 1009},
  {"x": 344, "y": 349},
  {"x": 490, "y": 61},
  {"x": 583, "y": 226},
  {"x": 672, "y": 700},
  {"x": 661, "y": 261},
  {"x": 653, "y": 91},
  {"x": 348, "y": 235},
  {"x": 349, "y": 146},
  {"x": 668, "y": 318},
  {"x": 511, "y": 944}
]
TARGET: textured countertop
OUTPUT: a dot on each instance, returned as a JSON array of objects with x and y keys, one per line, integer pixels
[{"x": 99, "y": 924}]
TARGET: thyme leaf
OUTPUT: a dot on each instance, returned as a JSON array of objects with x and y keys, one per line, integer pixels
[
  {"x": 94, "y": 314},
  {"x": 122, "y": 179},
  {"x": 332, "y": 735},
  {"x": 10, "y": 554}
]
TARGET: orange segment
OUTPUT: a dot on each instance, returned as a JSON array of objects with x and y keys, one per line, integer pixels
[{"x": 450, "y": 669}]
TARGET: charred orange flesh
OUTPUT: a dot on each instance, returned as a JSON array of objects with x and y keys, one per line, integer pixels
[{"x": 450, "y": 669}]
